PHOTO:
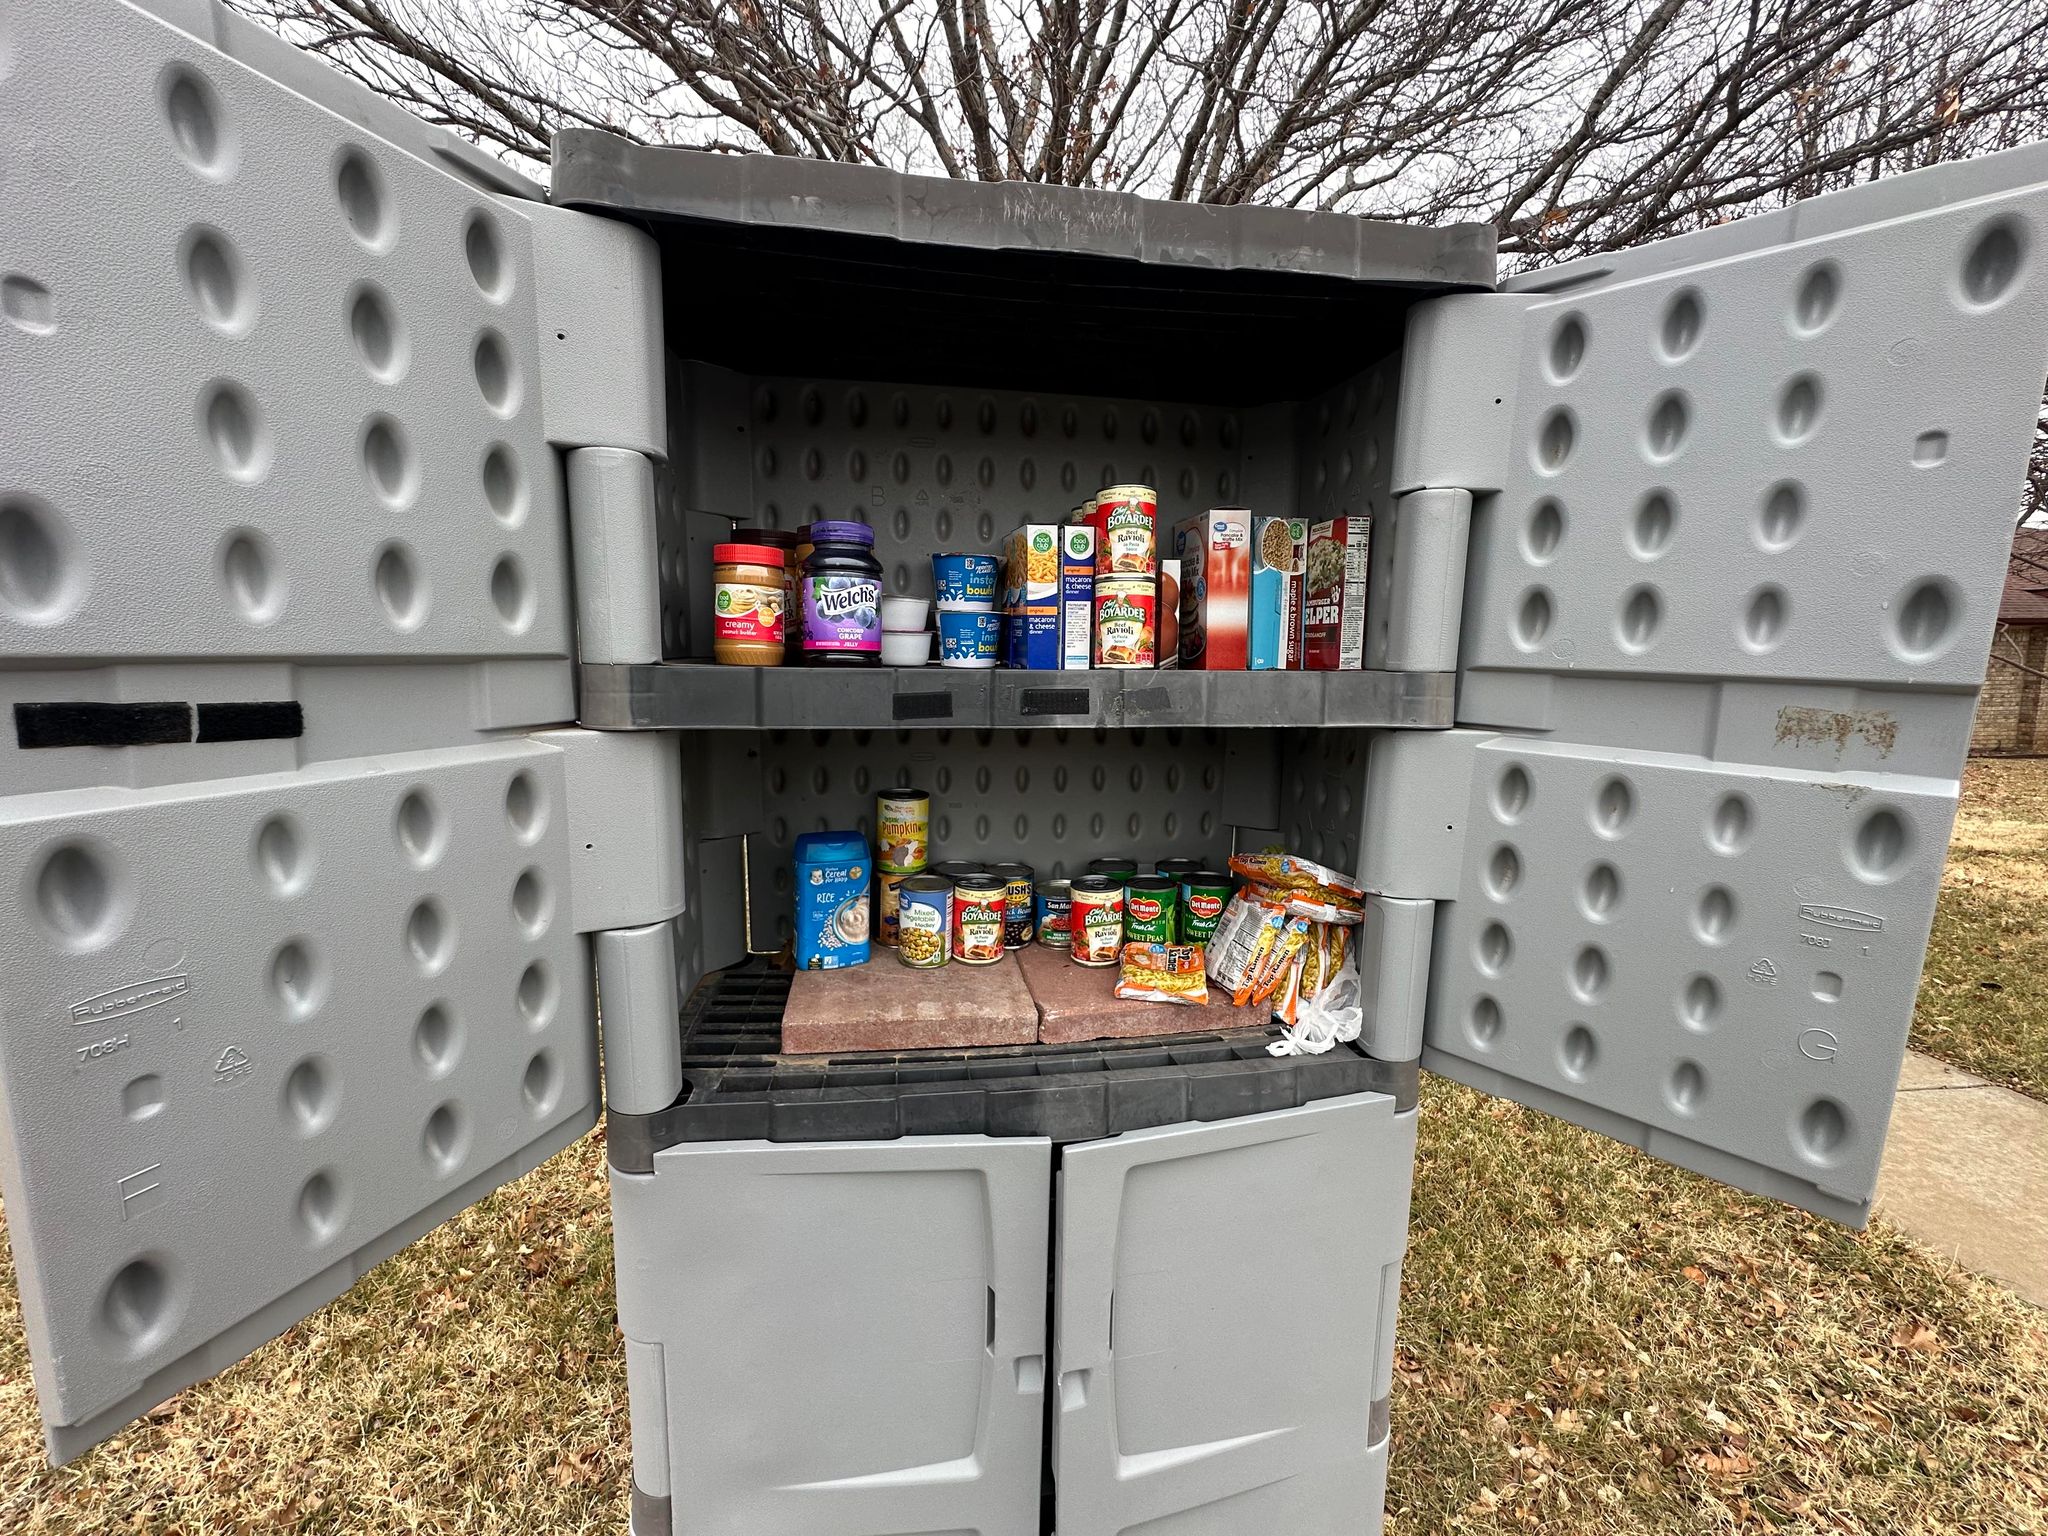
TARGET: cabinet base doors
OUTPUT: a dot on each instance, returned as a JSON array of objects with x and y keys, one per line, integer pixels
[
  {"x": 839, "y": 1339},
  {"x": 1223, "y": 1302},
  {"x": 257, "y": 1034}
]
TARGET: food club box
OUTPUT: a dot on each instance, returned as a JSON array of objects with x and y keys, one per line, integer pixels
[
  {"x": 1333, "y": 603},
  {"x": 1279, "y": 561},
  {"x": 1048, "y": 596},
  {"x": 1215, "y": 581}
]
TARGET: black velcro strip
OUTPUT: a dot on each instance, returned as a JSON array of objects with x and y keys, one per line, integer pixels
[
  {"x": 922, "y": 706},
  {"x": 76, "y": 723},
  {"x": 1055, "y": 701},
  {"x": 251, "y": 722}
]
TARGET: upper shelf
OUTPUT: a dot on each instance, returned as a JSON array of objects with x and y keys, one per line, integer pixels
[
  {"x": 672, "y": 695},
  {"x": 777, "y": 265}
]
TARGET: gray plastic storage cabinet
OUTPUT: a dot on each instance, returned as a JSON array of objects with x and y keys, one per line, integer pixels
[{"x": 354, "y": 519}]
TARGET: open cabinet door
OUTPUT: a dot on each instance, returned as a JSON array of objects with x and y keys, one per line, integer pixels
[
  {"x": 1742, "y": 505},
  {"x": 289, "y": 956}
]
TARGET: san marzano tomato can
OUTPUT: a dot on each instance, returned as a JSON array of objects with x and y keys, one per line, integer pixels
[
  {"x": 1055, "y": 909},
  {"x": 1096, "y": 920}
]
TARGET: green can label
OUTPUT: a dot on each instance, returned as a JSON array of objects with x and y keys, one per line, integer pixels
[
  {"x": 1148, "y": 918},
  {"x": 1201, "y": 909}
]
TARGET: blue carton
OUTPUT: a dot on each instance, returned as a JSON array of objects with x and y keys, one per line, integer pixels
[{"x": 831, "y": 900}]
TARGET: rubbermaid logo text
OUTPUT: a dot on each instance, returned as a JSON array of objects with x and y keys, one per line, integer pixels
[
  {"x": 122, "y": 1001},
  {"x": 1842, "y": 917}
]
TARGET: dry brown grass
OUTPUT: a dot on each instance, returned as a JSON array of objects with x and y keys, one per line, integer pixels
[
  {"x": 1590, "y": 1341},
  {"x": 1984, "y": 1000}
]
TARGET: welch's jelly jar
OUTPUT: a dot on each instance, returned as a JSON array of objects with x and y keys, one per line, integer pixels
[{"x": 842, "y": 597}]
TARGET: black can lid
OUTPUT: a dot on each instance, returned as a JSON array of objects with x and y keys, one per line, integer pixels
[
  {"x": 902, "y": 792},
  {"x": 1152, "y": 883},
  {"x": 1012, "y": 870},
  {"x": 1178, "y": 866},
  {"x": 925, "y": 883},
  {"x": 1206, "y": 877},
  {"x": 980, "y": 880},
  {"x": 1117, "y": 865},
  {"x": 1096, "y": 884},
  {"x": 953, "y": 869}
]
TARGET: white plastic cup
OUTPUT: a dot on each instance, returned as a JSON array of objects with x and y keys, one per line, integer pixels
[{"x": 906, "y": 647}]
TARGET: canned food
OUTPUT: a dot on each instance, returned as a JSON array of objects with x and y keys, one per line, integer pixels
[
  {"x": 1055, "y": 907},
  {"x": 1203, "y": 897},
  {"x": 955, "y": 869},
  {"x": 1125, "y": 631},
  {"x": 1097, "y": 920},
  {"x": 1180, "y": 869},
  {"x": 1127, "y": 531},
  {"x": 1017, "y": 881},
  {"x": 903, "y": 830},
  {"x": 888, "y": 894},
  {"x": 1150, "y": 905},
  {"x": 978, "y": 902},
  {"x": 925, "y": 920},
  {"x": 1115, "y": 866}
]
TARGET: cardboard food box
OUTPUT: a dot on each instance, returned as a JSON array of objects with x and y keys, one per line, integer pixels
[
  {"x": 1048, "y": 596},
  {"x": 1214, "y": 551},
  {"x": 1169, "y": 612},
  {"x": 1279, "y": 561},
  {"x": 1333, "y": 604}
]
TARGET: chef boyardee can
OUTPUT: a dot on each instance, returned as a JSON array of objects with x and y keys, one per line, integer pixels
[
  {"x": 1055, "y": 908},
  {"x": 1150, "y": 902},
  {"x": 953, "y": 869},
  {"x": 1203, "y": 896},
  {"x": 903, "y": 830},
  {"x": 978, "y": 902},
  {"x": 1017, "y": 897},
  {"x": 924, "y": 920},
  {"x": 1116, "y": 868},
  {"x": 1097, "y": 922}
]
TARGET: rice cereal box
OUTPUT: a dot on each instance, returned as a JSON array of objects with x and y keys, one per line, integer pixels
[
  {"x": 1333, "y": 606},
  {"x": 1278, "y": 564},
  {"x": 1048, "y": 596},
  {"x": 1214, "y": 551},
  {"x": 831, "y": 900}
]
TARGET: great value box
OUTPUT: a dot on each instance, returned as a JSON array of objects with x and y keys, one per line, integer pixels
[
  {"x": 1048, "y": 596},
  {"x": 1215, "y": 581}
]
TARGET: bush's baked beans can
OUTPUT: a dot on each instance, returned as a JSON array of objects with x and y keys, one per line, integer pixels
[
  {"x": 903, "y": 830},
  {"x": 925, "y": 921},
  {"x": 1126, "y": 519},
  {"x": 1055, "y": 908},
  {"x": 1097, "y": 920},
  {"x": 1204, "y": 895},
  {"x": 1150, "y": 905},
  {"x": 978, "y": 903},
  {"x": 1126, "y": 628},
  {"x": 888, "y": 895},
  {"x": 1018, "y": 880}
]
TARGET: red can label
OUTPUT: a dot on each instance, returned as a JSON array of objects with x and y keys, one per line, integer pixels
[
  {"x": 1126, "y": 521},
  {"x": 1125, "y": 634}
]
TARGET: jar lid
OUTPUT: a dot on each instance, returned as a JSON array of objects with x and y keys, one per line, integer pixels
[
  {"x": 745, "y": 554},
  {"x": 781, "y": 538},
  {"x": 842, "y": 533}
]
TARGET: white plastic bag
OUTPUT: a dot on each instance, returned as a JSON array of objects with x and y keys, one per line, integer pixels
[{"x": 1333, "y": 1016}]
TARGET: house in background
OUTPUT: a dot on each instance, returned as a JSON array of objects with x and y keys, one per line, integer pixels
[{"x": 2012, "y": 711}]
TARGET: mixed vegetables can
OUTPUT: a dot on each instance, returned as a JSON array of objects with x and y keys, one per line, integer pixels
[{"x": 924, "y": 920}]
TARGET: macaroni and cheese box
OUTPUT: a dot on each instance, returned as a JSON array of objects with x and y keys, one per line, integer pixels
[
  {"x": 1333, "y": 605},
  {"x": 1279, "y": 561},
  {"x": 1048, "y": 596},
  {"x": 1215, "y": 581}
]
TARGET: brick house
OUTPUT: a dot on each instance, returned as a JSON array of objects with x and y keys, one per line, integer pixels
[{"x": 2012, "y": 711}]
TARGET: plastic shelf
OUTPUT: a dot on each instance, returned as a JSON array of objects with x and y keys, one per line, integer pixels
[
  {"x": 671, "y": 695},
  {"x": 738, "y": 1086}
]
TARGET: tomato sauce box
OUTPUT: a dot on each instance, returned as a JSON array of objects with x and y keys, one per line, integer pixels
[
  {"x": 1049, "y": 597},
  {"x": 1333, "y": 603},
  {"x": 1279, "y": 560},
  {"x": 1214, "y": 551}
]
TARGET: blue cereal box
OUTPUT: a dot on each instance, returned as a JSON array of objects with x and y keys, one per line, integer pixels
[{"x": 831, "y": 900}]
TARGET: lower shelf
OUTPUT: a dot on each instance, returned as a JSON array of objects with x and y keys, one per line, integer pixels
[
  {"x": 671, "y": 695},
  {"x": 737, "y": 1086}
]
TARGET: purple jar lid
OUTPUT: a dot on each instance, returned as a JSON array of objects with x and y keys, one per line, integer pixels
[{"x": 842, "y": 533}]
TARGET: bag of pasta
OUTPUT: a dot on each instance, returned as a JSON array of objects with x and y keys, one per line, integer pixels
[
  {"x": 1162, "y": 973},
  {"x": 1304, "y": 887}
]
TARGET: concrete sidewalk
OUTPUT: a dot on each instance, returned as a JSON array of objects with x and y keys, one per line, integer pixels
[{"x": 1966, "y": 1171}]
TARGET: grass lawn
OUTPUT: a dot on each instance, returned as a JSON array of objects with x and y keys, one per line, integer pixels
[
  {"x": 1984, "y": 1001},
  {"x": 1590, "y": 1342}
]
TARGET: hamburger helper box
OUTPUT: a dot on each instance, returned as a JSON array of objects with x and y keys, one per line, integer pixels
[
  {"x": 1333, "y": 605},
  {"x": 1214, "y": 551},
  {"x": 1048, "y": 596},
  {"x": 1279, "y": 562}
]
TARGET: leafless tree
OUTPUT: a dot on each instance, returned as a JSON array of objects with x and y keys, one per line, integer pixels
[{"x": 1572, "y": 125}]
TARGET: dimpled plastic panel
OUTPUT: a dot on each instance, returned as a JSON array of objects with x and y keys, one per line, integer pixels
[
  {"x": 1054, "y": 799},
  {"x": 1715, "y": 963},
  {"x": 274, "y": 381},
  {"x": 1345, "y": 440},
  {"x": 1182, "y": 1406},
  {"x": 1789, "y": 450},
  {"x": 253, "y": 1028},
  {"x": 1322, "y": 795}
]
